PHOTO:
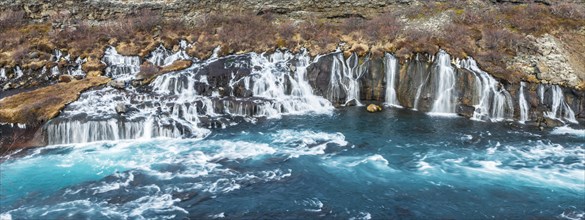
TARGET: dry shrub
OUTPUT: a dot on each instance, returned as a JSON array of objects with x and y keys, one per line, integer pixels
[
  {"x": 383, "y": 28},
  {"x": 352, "y": 24},
  {"x": 145, "y": 20},
  {"x": 569, "y": 10},
  {"x": 147, "y": 71},
  {"x": 20, "y": 54},
  {"x": 10, "y": 19}
]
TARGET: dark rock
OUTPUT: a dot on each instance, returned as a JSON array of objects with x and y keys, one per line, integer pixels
[
  {"x": 465, "y": 110},
  {"x": 121, "y": 108},
  {"x": 550, "y": 123},
  {"x": 352, "y": 102},
  {"x": 65, "y": 78},
  {"x": 118, "y": 84}
]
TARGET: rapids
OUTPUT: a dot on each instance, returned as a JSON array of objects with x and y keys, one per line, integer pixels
[{"x": 348, "y": 164}]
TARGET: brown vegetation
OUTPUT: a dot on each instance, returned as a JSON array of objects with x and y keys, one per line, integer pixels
[
  {"x": 492, "y": 33},
  {"x": 40, "y": 105}
]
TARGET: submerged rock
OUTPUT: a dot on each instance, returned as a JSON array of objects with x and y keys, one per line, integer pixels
[
  {"x": 465, "y": 110},
  {"x": 118, "y": 84},
  {"x": 121, "y": 108},
  {"x": 373, "y": 108},
  {"x": 352, "y": 102}
]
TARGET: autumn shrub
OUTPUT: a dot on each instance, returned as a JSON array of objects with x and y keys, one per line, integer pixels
[
  {"x": 145, "y": 20},
  {"x": 569, "y": 10},
  {"x": 352, "y": 24},
  {"x": 384, "y": 27},
  {"x": 10, "y": 19}
]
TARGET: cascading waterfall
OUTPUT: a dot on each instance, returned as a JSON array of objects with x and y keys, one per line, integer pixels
[
  {"x": 120, "y": 67},
  {"x": 524, "y": 108},
  {"x": 345, "y": 76},
  {"x": 174, "y": 107},
  {"x": 163, "y": 57},
  {"x": 421, "y": 85},
  {"x": 18, "y": 72},
  {"x": 493, "y": 102},
  {"x": 559, "y": 108},
  {"x": 272, "y": 79},
  {"x": 3, "y": 74},
  {"x": 444, "y": 85},
  {"x": 391, "y": 69}
]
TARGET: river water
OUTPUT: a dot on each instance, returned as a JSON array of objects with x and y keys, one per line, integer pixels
[{"x": 348, "y": 164}]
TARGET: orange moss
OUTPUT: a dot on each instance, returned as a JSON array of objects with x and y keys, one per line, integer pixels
[{"x": 40, "y": 105}]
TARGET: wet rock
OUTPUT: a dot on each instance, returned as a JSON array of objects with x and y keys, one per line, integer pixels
[
  {"x": 465, "y": 110},
  {"x": 352, "y": 102},
  {"x": 65, "y": 78},
  {"x": 373, "y": 108},
  {"x": 118, "y": 84},
  {"x": 121, "y": 108},
  {"x": 550, "y": 122},
  {"x": 7, "y": 86}
]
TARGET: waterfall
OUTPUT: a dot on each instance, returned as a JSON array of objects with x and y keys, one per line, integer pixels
[
  {"x": 120, "y": 67},
  {"x": 560, "y": 109},
  {"x": 274, "y": 79},
  {"x": 163, "y": 57},
  {"x": 444, "y": 85},
  {"x": 421, "y": 83},
  {"x": 492, "y": 101},
  {"x": 523, "y": 104},
  {"x": 18, "y": 72},
  {"x": 345, "y": 75},
  {"x": 179, "y": 104},
  {"x": 76, "y": 69},
  {"x": 3, "y": 75},
  {"x": 391, "y": 70}
]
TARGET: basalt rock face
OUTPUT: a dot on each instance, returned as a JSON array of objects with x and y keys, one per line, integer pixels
[
  {"x": 224, "y": 91},
  {"x": 439, "y": 84},
  {"x": 106, "y": 9}
]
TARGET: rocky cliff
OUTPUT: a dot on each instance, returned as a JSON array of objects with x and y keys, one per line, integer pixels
[{"x": 177, "y": 66}]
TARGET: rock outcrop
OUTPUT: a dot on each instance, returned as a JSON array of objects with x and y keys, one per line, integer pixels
[{"x": 38, "y": 106}]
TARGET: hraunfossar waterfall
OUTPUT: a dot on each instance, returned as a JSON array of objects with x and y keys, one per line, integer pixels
[{"x": 160, "y": 133}]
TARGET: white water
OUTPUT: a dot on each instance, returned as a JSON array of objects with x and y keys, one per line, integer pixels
[
  {"x": 559, "y": 108},
  {"x": 174, "y": 109},
  {"x": 345, "y": 76},
  {"x": 524, "y": 108},
  {"x": 163, "y": 57},
  {"x": 391, "y": 69},
  {"x": 3, "y": 74},
  {"x": 270, "y": 82},
  {"x": 444, "y": 85},
  {"x": 120, "y": 67},
  {"x": 491, "y": 100},
  {"x": 566, "y": 130},
  {"x": 18, "y": 72}
]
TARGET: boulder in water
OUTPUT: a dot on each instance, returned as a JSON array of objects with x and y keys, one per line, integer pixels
[
  {"x": 465, "y": 110},
  {"x": 65, "y": 78},
  {"x": 118, "y": 84},
  {"x": 352, "y": 102},
  {"x": 373, "y": 108},
  {"x": 121, "y": 108}
]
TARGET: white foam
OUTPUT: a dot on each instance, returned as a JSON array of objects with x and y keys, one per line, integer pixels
[
  {"x": 566, "y": 130},
  {"x": 5, "y": 216}
]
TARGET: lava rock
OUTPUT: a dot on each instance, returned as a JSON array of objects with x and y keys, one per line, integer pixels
[
  {"x": 65, "y": 78},
  {"x": 550, "y": 122},
  {"x": 373, "y": 108},
  {"x": 121, "y": 108},
  {"x": 352, "y": 102},
  {"x": 465, "y": 110},
  {"x": 118, "y": 84}
]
